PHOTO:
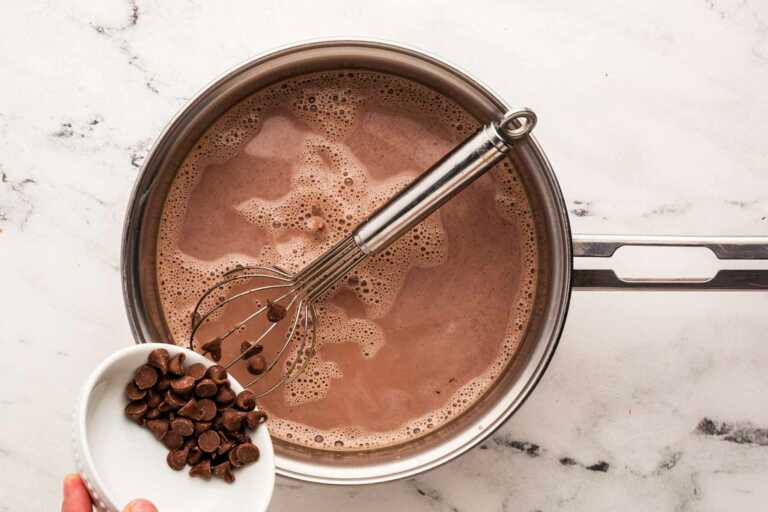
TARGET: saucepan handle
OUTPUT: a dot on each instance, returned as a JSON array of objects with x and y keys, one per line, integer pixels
[{"x": 724, "y": 248}]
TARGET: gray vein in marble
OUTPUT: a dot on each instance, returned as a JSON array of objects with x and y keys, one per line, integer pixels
[
  {"x": 16, "y": 186},
  {"x": 84, "y": 130},
  {"x": 739, "y": 433},
  {"x": 600, "y": 466},
  {"x": 715, "y": 8},
  {"x": 582, "y": 209},
  {"x": 68, "y": 130},
  {"x": 18, "y": 189},
  {"x": 113, "y": 33},
  {"x": 432, "y": 494},
  {"x": 669, "y": 462},
  {"x": 668, "y": 209},
  {"x": 533, "y": 450},
  {"x": 741, "y": 204},
  {"x": 530, "y": 449},
  {"x": 691, "y": 494},
  {"x": 65, "y": 131},
  {"x": 97, "y": 200},
  {"x": 760, "y": 26},
  {"x": 138, "y": 152},
  {"x": 133, "y": 19}
]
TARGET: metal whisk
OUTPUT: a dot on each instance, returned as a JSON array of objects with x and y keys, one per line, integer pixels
[{"x": 290, "y": 298}]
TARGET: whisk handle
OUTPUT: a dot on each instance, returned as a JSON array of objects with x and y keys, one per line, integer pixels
[{"x": 465, "y": 163}]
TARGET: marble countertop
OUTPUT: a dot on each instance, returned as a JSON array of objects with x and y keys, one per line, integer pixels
[{"x": 654, "y": 114}]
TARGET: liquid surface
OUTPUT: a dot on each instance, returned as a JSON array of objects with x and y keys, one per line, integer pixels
[{"x": 416, "y": 334}]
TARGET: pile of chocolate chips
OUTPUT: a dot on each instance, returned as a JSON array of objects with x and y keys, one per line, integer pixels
[{"x": 195, "y": 414}]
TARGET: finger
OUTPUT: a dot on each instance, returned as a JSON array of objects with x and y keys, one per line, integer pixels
[
  {"x": 76, "y": 498},
  {"x": 140, "y": 506}
]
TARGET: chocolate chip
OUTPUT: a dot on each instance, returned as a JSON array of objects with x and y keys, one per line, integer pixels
[
  {"x": 224, "y": 471},
  {"x": 158, "y": 427},
  {"x": 225, "y": 445},
  {"x": 183, "y": 426},
  {"x": 195, "y": 455},
  {"x": 255, "y": 418},
  {"x": 145, "y": 377},
  {"x": 176, "y": 364},
  {"x": 208, "y": 441},
  {"x": 233, "y": 460},
  {"x": 173, "y": 440},
  {"x": 201, "y": 469},
  {"x": 207, "y": 409},
  {"x": 245, "y": 401},
  {"x": 136, "y": 410},
  {"x": 174, "y": 401},
  {"x": 246, "y": 453},
  {"x": 213, "y": 348},
  {"x": 183, "y": 385},
  {"x": 217, "y": 374},
  {"x": 177, "y": 459},
  {"x": 225, "y": 396},
  {"x": 232, "y": 420},
  {"x": 275, "y": 311},
  {"x": 163, "y": 383},
  {"x": 159, "y": 358},
  {"x": 249, "y": 350},
  {"x": 212, "y": 441},
  {"x": 155, "y": 398},
  {"x": 196, "y": 371},
  {"x": 240, "y": 437},
  {"x": 202, "y": 426},
  {"x": 257, "y": 365},
  {"x": 190, "y": 410},
  {"x": 133, "y": 392},
  {"x": 206, "y": 388}
]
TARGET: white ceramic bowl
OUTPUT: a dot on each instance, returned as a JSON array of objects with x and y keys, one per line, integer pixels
[{"x": 120, "y": 461}]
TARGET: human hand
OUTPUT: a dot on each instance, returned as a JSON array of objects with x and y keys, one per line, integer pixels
[{"x": 77, "y": 499}]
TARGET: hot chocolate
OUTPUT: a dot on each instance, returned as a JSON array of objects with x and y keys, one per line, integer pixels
[{"x": 416, "y": 334}]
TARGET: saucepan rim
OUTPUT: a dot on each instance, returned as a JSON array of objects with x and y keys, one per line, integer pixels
[{"x": 559, "y": 288}]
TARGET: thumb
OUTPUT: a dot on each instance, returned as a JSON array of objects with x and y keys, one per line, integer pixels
[{"x": 140, "y": 506}]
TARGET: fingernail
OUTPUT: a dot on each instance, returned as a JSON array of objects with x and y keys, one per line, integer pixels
[
  {"x": 71, "y": 478},
  {"x": 140, "y": 506}
]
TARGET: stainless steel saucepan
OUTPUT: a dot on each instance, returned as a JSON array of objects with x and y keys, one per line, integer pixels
[{"x": 558, "y": 248}]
